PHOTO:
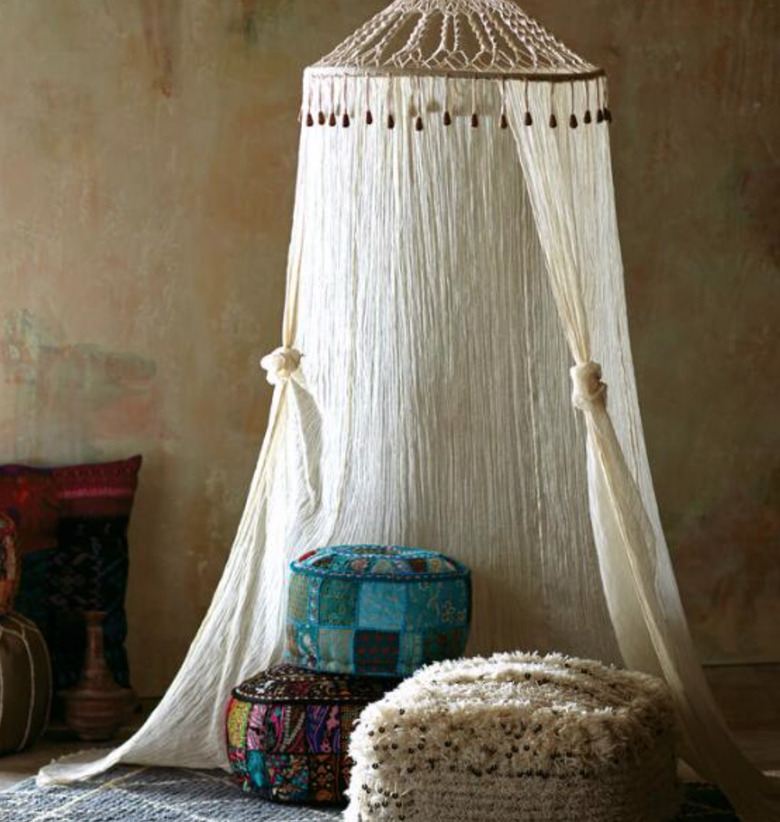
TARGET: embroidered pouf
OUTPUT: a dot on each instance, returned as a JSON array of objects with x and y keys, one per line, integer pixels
[
  {"x": 516, "y": 736},
  {"x": 25, "y": 683},
  {"x": 288, "y": 732},
  {"x": 376, "y": 610}
]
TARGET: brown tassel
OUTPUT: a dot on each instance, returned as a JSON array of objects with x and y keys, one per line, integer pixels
[
  {"x": 529, "y": 121},
  {"x": 447, "y": 119},
  {"x": 369, "y": 118},
  {"x": 553, "y": 121},
  {"x": 418, "y": 123},
  {"x": 607, "y": 115},
  {"x": 599, "y": 116},
  {"x": 588, "y": 118},
  {"x": 573, "y": 121},
  {"x": 504, "y": 121},
  {"x": 345, "y": 120},
  {"x": 390, "y": 121},
  {"x": 474, "y": 120},
  {"x": 309, "y": 120},
  {"x": 332, "y": 120},
  {"x": 321, "y": 118}
]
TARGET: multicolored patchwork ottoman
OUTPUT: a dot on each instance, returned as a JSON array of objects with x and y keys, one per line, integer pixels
[
  {"x": 376, "y": 610},
  {"x": 288, "y": 732}
]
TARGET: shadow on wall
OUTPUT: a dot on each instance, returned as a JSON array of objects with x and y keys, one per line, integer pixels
[{"x": 727, "y": 565}]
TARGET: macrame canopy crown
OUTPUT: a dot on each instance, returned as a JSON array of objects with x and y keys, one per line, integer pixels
[{"x": 483, "y": 41}]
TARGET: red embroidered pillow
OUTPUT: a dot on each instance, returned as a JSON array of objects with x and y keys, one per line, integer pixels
[
  {"x": 105, "y": 489},
  {"x": 86, "y": 570}
]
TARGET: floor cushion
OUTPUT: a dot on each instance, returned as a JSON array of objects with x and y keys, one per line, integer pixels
[
  {"x": 517, "y": 736},
  {"x": 25, "y": 677},
  {"x": 288, "y": 732},
  {"x": 376, "y": 610}
]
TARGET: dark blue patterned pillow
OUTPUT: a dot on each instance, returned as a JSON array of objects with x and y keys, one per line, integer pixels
[{"x": 86, "y": 570}]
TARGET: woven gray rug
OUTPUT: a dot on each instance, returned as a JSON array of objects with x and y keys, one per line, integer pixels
[
  {"x": 166, "y": 795},
  {"x": 150, "y": 795}
]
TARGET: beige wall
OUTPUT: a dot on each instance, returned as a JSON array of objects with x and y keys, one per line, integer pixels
[{"x": 147, "y": 158}]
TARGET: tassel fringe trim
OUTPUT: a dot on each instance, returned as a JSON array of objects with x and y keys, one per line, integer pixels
[{"x": 341, "y": 100}]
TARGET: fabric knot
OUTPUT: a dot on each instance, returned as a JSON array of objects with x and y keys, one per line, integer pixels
[
  {"x": 281, "y": 364},
  {"x": 587, "y": 385}
]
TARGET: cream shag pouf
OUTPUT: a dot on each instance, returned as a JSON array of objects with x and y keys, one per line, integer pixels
[{"x": 516, "y": 737}]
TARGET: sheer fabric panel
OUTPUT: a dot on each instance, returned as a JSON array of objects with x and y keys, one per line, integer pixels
[
  {"x": 431, "y": 407},
  {"x": 568, "y": 172}
]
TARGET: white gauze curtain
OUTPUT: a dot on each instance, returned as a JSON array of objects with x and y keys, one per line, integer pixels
[
  {"x": 430, "y": 407},
  {"x": 568, "y": 174},
  {"x": 422, "y": 393}
]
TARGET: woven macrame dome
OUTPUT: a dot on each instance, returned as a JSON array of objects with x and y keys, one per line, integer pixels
[{"x": 482, "y": 37}]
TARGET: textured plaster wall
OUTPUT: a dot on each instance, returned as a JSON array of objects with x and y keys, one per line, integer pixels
[
  {"x": 696, "y": 146},
  {"x": 147, "y": 160}
]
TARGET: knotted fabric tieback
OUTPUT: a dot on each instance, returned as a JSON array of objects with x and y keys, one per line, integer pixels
[
  {"x": 281, "y": 364},
  {"x": 588, "y": 388}
]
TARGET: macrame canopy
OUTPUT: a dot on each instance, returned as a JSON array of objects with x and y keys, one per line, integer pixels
[
  {"x": 454, "y": 286},
  {"x": 478, "y": 40}
]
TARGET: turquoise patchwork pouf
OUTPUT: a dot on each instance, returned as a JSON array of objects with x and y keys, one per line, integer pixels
[{"x": 376, "y": 610}]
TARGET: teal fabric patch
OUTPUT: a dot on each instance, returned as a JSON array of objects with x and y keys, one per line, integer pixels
[
  {"x": 335, "y": 648},
  {"x": 337, "y": 601},
  {"x": 298, "y": 605},
  {"x": 302, "y": 644},
  {"x": 438, "y": 603},
  {"x": 255, "y": 765},
  {"x": 382, "y": 605},
  {"x": 411, "y": 651}
]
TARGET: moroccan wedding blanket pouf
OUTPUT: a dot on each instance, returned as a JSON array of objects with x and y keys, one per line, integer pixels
[
  {"x": 288, "y": 732},
  {"x": 376, "y": 610},
  {"x": 516, "y": 737}
]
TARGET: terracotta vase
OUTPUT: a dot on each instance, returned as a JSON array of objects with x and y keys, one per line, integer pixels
[{"x": 97, "y": 707}]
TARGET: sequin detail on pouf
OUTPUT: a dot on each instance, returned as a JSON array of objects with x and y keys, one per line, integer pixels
[
  {"x": 376, "y": 610},
  {"x": 288, "y": 732}
]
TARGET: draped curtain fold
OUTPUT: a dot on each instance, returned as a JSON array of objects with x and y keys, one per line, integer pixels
[
  {"x": 568, "y": 175},
  {"x": 242, "y": 631}
]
